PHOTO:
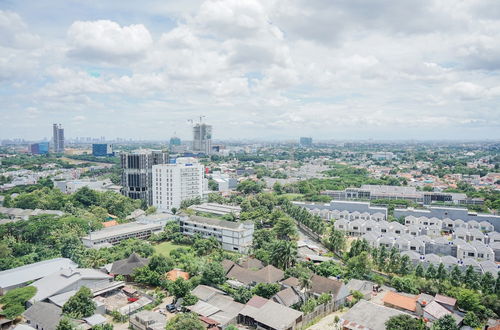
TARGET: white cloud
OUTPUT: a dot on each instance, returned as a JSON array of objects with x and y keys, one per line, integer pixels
[
  {"x": 105, "y": 40},
  {"x": 14, "y": 32}
]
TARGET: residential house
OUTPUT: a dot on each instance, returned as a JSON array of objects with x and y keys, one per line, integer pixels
[
  {"x": 365, "y": 287},
  {"x": 367, "y": 315},
  {"x": 43, "y": 316},
  {"x": 288, "y": 297},
  {"x": 147, "y": 320},
  {"x": 401, "y": 302},
  {"x": 338, "y": 290},
  {"x": 262, "y": 313},
  {"x": 127, "y": 266}
]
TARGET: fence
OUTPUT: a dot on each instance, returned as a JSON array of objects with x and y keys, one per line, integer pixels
[{"x": 319, "y": 312}]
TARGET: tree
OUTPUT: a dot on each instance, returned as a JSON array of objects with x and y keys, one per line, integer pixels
[
  {"x": 189, "y": 300},
  {"x": 105, "y": 326},
  {"x": 419, "y": 271},
  {"x": 405, "y": 284},
  {"x": 213, "y": 274},
  {"x": 430, "y": 273},
  {"x": 85, "y": 197},
  {"x": 65, "y": 324},
  {"x": 359, "y": 266},
  {"x": 471, "y": 278},
  {"x": 283, "y": 254},
  {"x": 404, "y": 322},
  {"x": 455, "y": 276},
  {"x": 404, "y": 265},
  {"x": 266, "y": 290},
  {"x": 179, "y": 288},
  {"x": 497, "y": 284},
  {"x": 185, "y": 321},
  {"x": 242, "y": 295},
  {"x": 441, "y": 272},
  {"x": 447, "y": 322},
  {"x": 14, "y": 301},
  {"x": 80, "y": 305},
  {"x": 488, "y": 283},
  {"x": 285, "y": 228},
  {"x": 336, "y": 241},
  {"x": 472, "y": 320}
]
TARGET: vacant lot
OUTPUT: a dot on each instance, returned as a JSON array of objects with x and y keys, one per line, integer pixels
[{"x": 165, "y": 248}]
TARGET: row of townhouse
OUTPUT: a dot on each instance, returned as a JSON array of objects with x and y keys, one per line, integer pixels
[
  {"x": 449, "y": 224},
  {"x": 336, "y": 214},
  {"x": 424, "y": 245},
  {"x": 432, "y": 228}
]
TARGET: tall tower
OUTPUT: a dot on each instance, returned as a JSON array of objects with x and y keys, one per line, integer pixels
[
  {"x": 58, "y": 138},
  {"x": 137, "y": 176},
  {"x": 202, "y": 138}
]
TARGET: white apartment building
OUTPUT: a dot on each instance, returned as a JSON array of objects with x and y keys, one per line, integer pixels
[
  {"x": 233, "y": 236},
  {"x": 174, "y": 183}
]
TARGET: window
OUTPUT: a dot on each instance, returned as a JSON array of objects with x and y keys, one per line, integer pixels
[{"x": 470, "y": 254}]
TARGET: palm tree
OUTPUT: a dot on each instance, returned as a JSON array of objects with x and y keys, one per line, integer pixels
[{"x": 283, "y": 254}]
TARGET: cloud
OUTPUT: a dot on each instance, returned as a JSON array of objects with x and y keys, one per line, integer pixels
[
  {"x": 107, "y": 41},
  {"x": 14, "y": 33}
]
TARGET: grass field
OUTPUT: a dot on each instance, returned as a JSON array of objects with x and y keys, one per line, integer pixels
[{"x": 165, "y": 248}]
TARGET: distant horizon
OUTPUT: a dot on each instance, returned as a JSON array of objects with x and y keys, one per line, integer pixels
[{"x": 418, "y": 70}]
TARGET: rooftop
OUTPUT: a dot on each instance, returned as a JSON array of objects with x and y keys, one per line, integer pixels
[
  {"x": 121, "y": 230},
  {"x": 400, "y": 301},
  {"x": 367, "y": 315},
  {"x": 216, "y": 222},
  {"x": 31, "y": 272}
]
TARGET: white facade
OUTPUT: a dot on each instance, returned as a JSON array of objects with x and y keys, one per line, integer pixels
[
  {"x": 233, "y": 236},
  {"x": 174, "y": 183}
]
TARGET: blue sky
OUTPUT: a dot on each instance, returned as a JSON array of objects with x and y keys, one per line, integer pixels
[{"x": 331, "y": 69}]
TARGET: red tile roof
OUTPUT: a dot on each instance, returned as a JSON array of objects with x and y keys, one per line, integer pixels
[
  {"x": 176, "y": 273},
  {"x": 403, "y": 302}
]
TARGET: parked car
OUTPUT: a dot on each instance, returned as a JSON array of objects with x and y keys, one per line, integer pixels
[{"x": 171, "y": 308}]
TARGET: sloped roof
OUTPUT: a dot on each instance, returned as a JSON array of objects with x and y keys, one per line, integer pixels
[
  {"x": 287, "y": 297},
  {"x": 205, "y": 292},
  {"x": 127, "y": 266},
  {"x": 321, "y": 284},
  {"x": 177, "y": 273},
  {"x": 252, "y": 263},
  {"x": 400, "y": 301},
  {"x": 268, "y": 274},
  {"x": 291, "y": 281},
  {"x": 271, "y": 314},
  {"x": 227, "y": 265},
  {"x": 445, "y": 300},
  {"x": 367, "y": 315},
  {"x": 46, "y": 315}
]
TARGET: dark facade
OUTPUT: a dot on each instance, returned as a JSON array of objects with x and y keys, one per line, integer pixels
[
  {"x": 102, "y": 149},
  {"x": 41, "y": 148},
  {"x": 137, "y": 175}
]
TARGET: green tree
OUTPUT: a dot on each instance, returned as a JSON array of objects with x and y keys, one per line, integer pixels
[
  {"x": 179, "y": 288},
  {"x": 441, "y": 272},
  {"x": 189, "y": 300},
  {"x": 472, "y": 320},
  {"x": 283, "y": 254},
  {"x": 404, "y": 322},
  {"x": 430, "y": 273},
  {"x": 447, "y": 322},
  {"x": 266, "y": 290},
  {"x": 404, "y": 265},
  {"x": 471, "y": 278},
  {"x": 14, "y": 301},
  {"x": 488, "y": 283},
  {"x": 359, "y": 266},
  {"x": 65, "y": 324},
  {"x": 455, "y": 276},
  {"x": 213, "y": 274},
  {"x": 184, "y": 321},
  {"x": 419, "y": 271},
  {"x": 335, "y": 241},
  {"x": 285, "y": 228},
  {"x": 80, "y": 305},
  {"x": 242, "y": 295}
]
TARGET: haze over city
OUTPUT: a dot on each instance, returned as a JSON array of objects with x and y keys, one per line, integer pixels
[{"x": 255, "y": 69}]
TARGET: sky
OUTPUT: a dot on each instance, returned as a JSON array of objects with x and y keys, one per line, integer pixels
[{"x": 329, "y": 69}]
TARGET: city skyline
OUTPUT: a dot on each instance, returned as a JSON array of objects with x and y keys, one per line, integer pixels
[{"x": 265, "y": 70}]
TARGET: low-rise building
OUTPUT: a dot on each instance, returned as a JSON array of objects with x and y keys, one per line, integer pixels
[
  {"x": 116, "y": 234},
  {"x": 234, "y": 236},
  {"x": 21, "y": 276},
  {"x": 367, "y": 315}
]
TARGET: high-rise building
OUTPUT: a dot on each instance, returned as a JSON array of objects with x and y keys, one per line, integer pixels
[
  {"x": 175, "y": 141},
  {"x": 58, "y": 138},
  {"x": 202, "y": 138},
  {"x": 306, "y": 141},
  {"x": 137, "y": 177},
  {"x": 174, "y": 183},
  {"x": 41, "y": 148},
  {"x": 102, "y": 149}
]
